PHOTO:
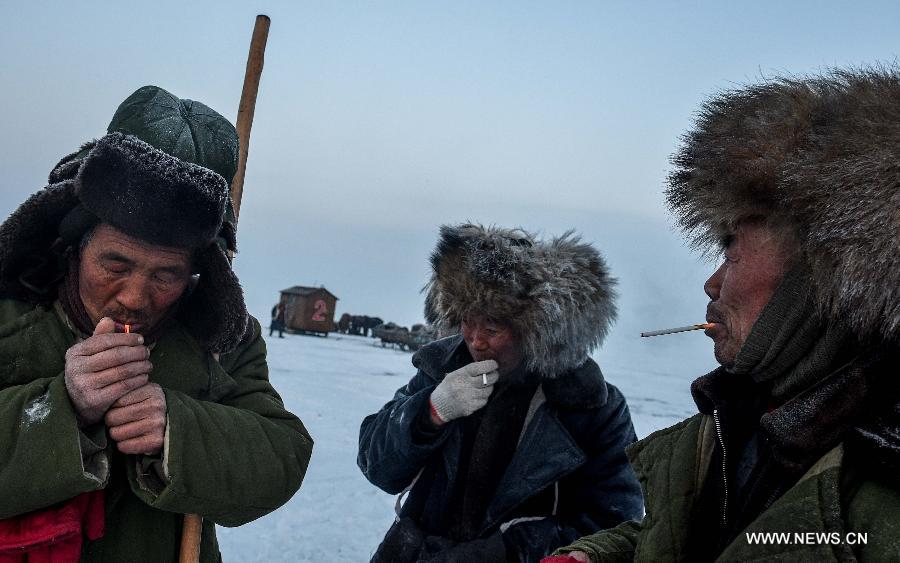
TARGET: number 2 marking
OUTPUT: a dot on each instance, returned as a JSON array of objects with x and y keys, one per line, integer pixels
[{"x": 321, "y": 309}]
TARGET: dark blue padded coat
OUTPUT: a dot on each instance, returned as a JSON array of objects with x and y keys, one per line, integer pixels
[{"x": 573, "y": 444}]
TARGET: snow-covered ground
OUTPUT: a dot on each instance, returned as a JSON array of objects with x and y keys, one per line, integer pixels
[{"x": 331, "y": 384}]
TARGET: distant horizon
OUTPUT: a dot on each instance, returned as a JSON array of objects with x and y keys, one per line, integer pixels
[{"x": 375, "y": 124}]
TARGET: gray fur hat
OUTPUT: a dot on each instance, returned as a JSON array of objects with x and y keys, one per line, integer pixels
[
  {"x": 557, "y": 295},
  {"x": 820, "y": 155}
]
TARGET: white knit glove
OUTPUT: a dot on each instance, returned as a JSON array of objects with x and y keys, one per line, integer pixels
[{"x": 465, "y": 390}]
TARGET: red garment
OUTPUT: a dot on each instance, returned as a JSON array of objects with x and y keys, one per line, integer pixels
[
  {"x": 560, "y": 559},
  {"x": 55, "y": 534}
]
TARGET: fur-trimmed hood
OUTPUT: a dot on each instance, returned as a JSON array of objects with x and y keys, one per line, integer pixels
[
  {"x": 148, "y": 194},
  {"x": 819, "y": 154},
  {"x": 557, "y": 295}
]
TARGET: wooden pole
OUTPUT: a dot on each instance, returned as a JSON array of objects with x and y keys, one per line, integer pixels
[
  {"x": 193, "y": 523},
  {"x": 248, "y": 105},
  {"x": 190, "y": 539}
]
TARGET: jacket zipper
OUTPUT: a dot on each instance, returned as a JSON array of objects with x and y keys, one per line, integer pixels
[{"x": 724, "y": 467}]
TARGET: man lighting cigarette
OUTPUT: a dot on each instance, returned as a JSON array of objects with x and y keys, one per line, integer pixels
[
  {"x": 795, "y": 181},
  {"x": 134, "y": 384}
]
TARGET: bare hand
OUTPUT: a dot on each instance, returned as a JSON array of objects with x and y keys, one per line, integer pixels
[
  {"x": 103, "y": 368},
  {"x": 137, "y": 421},
  {"x": 580, "y": 556}
]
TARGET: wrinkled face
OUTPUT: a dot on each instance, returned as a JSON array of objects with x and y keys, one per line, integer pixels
[
  {"x": 487, "y": 339},
  {"x": 754, "y": 265},
  {"x": 130, "y": 281}
]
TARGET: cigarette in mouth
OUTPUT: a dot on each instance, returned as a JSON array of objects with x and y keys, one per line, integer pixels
[
  {"x": 674, "y": 330},
  {"x": 127, "y": 329}
]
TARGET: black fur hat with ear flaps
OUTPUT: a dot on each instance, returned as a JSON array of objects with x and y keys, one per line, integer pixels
[
  {"x": 557, "y": 295},
  {"x": 145, "y": 193},
  {"x": 820, "y": 155}
]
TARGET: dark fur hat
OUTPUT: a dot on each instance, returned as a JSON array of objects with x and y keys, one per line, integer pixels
[
  {"x": 557, "y": 295},
  {"x": 145, "y": 193},
  {"x": 820, "y": 155},
  {"x": 150, "y": 195}
]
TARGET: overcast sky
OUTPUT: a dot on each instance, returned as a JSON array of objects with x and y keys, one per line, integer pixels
[{"x": 376, "y": 122}]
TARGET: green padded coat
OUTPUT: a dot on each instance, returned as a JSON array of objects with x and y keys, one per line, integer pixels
[
  {"x": 233, "y": 453},
  {"x": 830, "y": 499}
]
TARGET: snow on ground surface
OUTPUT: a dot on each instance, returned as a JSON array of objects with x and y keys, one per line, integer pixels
[{"x": 332, "y": 384}]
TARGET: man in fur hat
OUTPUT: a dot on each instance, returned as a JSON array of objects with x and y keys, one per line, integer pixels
[
  {"x": 133, "y": 383},
  {"x": 508, "y": 438},
  {"x": 797, "y": 181}
]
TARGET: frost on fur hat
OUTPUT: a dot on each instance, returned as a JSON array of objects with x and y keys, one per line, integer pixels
[
  {"x": 557, "y": 295},
  {"x": 821, "y": 154},
  {"x": 150, "y": 195}
]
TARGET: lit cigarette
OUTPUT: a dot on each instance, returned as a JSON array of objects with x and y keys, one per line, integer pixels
[
  {"x": 674, "y": 330},
  {"x": 127, "y": 329}
]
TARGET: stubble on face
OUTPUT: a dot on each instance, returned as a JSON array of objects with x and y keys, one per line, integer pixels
[
  {"x": 128, "y": 280},
  {"x": 487, "y": 339},
  {"x": 756, "y": 259}
]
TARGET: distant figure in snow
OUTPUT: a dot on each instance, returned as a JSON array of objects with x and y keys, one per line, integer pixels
[
  {"x": 134, "y": 384},
  {"x": 797, "y": 183},
  {"x": 511, "y": 441},
  {"x": 277, "y": 322}
]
